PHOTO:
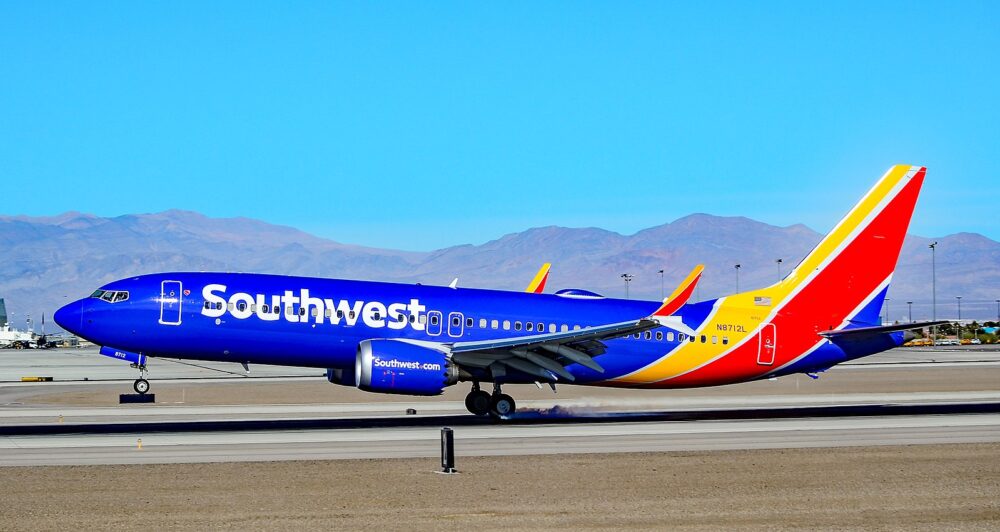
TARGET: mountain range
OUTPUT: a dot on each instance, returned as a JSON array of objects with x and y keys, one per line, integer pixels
[{"x": 46, "y": 261}]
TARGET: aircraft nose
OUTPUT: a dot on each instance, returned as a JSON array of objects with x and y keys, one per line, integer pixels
[{"x": 70, "y": 317}]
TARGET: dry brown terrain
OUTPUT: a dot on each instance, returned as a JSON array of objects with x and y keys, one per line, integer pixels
[{"x": 902, "y": 488}]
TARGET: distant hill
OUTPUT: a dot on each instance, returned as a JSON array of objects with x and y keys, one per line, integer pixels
[{"x": 47, "y": 261}]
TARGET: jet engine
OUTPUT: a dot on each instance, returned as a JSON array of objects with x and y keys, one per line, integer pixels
[{"x": 395, "y": 366}]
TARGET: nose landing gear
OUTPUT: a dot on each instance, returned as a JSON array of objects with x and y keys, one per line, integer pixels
[
  {"x": 141, "y": 385},
  {"x": 498, "y": 405}
]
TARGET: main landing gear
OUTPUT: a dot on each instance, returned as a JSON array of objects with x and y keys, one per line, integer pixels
[
  {"x": 498, "y": 405},
  {"x": 141, "y": 385}
]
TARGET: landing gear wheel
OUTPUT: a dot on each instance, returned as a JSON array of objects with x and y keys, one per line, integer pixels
[
  {"x": 502, "y": 406},
  {"x": 478, "y": 402},
  {"x": 141, "y": 386}
]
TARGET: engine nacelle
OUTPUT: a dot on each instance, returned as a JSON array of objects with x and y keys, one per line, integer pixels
[{"x": 394, "y": 366}]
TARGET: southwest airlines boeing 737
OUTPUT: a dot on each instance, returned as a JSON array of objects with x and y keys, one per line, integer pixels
[{"x": 418, "y": 340}]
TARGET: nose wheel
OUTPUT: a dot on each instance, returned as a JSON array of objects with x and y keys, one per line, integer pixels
[{"x": 141, "y": 385}]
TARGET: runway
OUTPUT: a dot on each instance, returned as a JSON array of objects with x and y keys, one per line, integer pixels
[{"x": 902, "y": 398}]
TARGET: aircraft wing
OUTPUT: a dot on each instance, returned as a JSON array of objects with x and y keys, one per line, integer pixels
[{"x": 546, "y": 355}]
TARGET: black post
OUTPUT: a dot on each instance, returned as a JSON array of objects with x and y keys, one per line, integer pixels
[{"x": 447, "y": 450}]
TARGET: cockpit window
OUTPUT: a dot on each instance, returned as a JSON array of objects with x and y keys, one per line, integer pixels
[{"x": 111, "y": 296}]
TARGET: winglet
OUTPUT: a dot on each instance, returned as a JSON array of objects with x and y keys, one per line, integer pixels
[
  {"x": 537, "y": 285},
  {"x": 681, "y": 294}
]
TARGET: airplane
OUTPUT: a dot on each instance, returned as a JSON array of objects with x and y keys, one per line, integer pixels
[{"x": 418, "y": 340}]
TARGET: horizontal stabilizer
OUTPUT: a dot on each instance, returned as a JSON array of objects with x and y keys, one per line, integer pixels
[{"x": 864, "y": 331}]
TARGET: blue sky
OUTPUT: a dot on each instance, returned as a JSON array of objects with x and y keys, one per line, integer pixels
[{"x": 421, "y": 125}]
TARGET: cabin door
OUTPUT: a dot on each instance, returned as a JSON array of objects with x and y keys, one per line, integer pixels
[{"x": 171, "y": 299}]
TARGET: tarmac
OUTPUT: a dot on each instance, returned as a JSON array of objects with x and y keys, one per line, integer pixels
[{"x": 215, "y": 412}]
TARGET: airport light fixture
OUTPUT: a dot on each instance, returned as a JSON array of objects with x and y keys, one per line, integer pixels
[
  {"x": 779, "y": 269},
  {"x": 661, "y": 284},
  {"x": 628, "y": 279},
  {"x": 909, "y": 311},
  {"x": 998, "y": 311},
  {"x": 959, "y": 298},
  {"x": 887, "y": 300},
  {"x": 933, "y": 247},
  {"x": 737, "y": 278}
]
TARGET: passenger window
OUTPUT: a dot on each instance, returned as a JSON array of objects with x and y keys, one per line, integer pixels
[
  {"x": 326, "y": 313},
  {"x": 576, "y": 327},
  {"x": 482, "y": 323},
  {"x": 715, "y": 339},
  {"x": 242, "y": 306},
  {"x": 703, "y": 338},
  {"x": 659, "y": 336},
  {"x": 637, "y": 335},
  {"x": 377, "y": 315},
  {"x": 725, "y": 340},
  {"x": 494, "y": 324},
  {"x": 218, "y": 306},
  {"x": 253, "y": 307},
  {"x": 691, "y": 339},
  {"x": 469, "y": 322},
  {"x": 670, "y": 337},
  {"x": 564, "y": 328},
  {"x": 552, "y": 327},
  {"x": 340, "y": 314},
  {"x": 541, "y": 327},
  {"x": 232, "y": 306},
  {"x": 302, "y": 311},
  {"x": 412, "y": 318},
  {"x": 265, "y": 309},
  {"x": 506, "y": 325},
  {"x": 276, "y": 309},
  {"x": 648, "y": 335},
  {"x": 434, "y": 319},
  {"x": 351, "y": 314},
  {"x": 517, "y": 326},
  {"x": 423, "y": 319},
  {"x": 455, "y": 321},
  {"x": 207, "y": 303},
  {"x": 401, "y": 318},
  {"x": 529, "y": 326}
]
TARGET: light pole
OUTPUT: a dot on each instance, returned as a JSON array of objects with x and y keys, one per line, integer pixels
[
  {"x": 887, "y": 300},
  {"x": 933, "y": 291},
  {"x": 779, "y": 269},
  {"x": 661, "y": 284},
  {"x": 959, "y": 324},
  {"x": 737, "y": 278},
  {"x": 628, "y": 279},
  {"x": 910, "y": 310},
  {"x": 998, "y": 312}
]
